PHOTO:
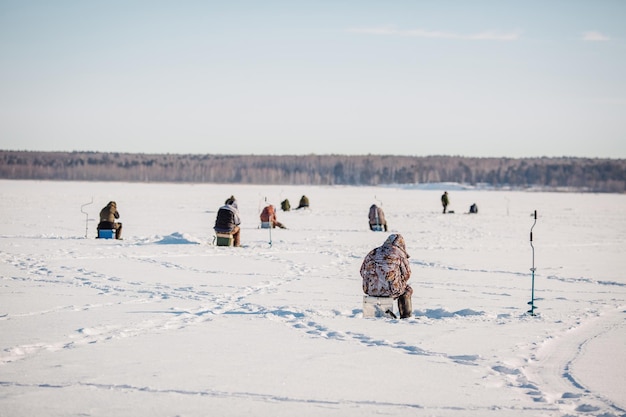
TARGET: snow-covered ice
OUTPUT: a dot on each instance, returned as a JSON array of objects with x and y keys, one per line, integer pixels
[{"x": 164, "y": 323}]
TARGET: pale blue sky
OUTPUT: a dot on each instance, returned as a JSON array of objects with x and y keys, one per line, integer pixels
[{"x": 470, "y": 78}]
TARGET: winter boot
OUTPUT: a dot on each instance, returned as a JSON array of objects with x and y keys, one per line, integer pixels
[{"x": 404, "y": 306}]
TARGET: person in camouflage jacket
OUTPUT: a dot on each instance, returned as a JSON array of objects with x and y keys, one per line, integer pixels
[{"x": 385, "y": 272}]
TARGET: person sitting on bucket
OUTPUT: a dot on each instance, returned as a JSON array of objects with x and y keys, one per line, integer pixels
[
  {"x": 385, "y": 272},
  {"x": 377, "y": 217},
  {"x": 228, "y": 221},
  {"x": 108, "y": 215},
  {"x": 268, "y": 215}
]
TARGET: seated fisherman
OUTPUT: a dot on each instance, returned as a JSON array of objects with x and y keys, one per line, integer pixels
[
  {"x": 268, "y": 215},
  {"x": 228, "y": 221},
  {"x": 304, "y": 202},
  {"x": 108, "y": 215},
  {"x": 377, "y": 217},
  {"x": 385, "y": 272}
]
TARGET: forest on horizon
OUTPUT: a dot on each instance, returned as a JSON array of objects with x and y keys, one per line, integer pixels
[{"x": 563, "y": 173}]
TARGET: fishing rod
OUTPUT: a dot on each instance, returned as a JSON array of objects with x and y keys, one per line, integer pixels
[
  {"x": 533, "y": 269},
  {"x": 270, "y": 225},
  {"x": 270, "y": 229},
  {"x": 86, "y": 216}
]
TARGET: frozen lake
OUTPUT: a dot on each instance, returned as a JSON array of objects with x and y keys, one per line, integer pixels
[{"x": 164, "y": 323}]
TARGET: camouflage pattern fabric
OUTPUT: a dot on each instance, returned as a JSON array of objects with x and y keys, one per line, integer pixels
[{"x": 386, "y": 270}]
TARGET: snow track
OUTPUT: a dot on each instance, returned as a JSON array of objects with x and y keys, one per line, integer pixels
[{"x": 553, "y": 367}]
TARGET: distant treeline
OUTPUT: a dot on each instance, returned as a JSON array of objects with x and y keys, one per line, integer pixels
[{"x": 581, "y": 174}]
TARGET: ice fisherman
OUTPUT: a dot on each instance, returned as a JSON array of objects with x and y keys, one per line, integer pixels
[
  {"x": 268, "y": 215},
  {"x": 377, "y": 217},
  {"x": 386, "y": 271},
  {"x": 108, "y": 217},
  {"x": 304, "y": 202},
  {"x": 445, "y": 200},
  {"x": 228, "y": 220}
]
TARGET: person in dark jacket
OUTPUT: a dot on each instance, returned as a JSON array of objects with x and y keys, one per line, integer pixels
[
  {"x": 108, "y": 215},
  {"x": 445, "y": 200},
  {"x": 228, "y": 221}
]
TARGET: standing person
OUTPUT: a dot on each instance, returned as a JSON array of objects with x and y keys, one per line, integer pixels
[
  {"x": 445, "y": 200},
  {"x": 268, "y": 215},
  {"x": 377, "y": 217},
  {"x": 228, "y": 221},
  {"x": 385, "y": 272},
  {"x": 108, "y": 215},
  {"x": 304, "y": 202}
]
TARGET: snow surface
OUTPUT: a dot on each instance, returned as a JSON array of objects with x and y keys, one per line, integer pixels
[{"x": 164, "y": 323}]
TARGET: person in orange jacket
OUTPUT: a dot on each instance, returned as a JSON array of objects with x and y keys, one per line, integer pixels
[{"x": 268, "y": 215}]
